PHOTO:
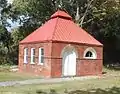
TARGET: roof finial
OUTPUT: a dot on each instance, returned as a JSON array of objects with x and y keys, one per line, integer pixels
[
  {"x": 61, "y": 14},
  {"x": 59, "y": 7}
]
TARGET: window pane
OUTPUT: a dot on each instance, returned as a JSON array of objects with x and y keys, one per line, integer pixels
[
  {"x": 42, "y": 59},
  {"x": 33, "y": 58},
  {"x": 42, "y": 51},
  {"x": 33, "y": 51},
  {"x": 41, "y": 55},
  {"x": 26, "y": 51},
  {"x": 26, "y": 59},
  {"x": 26, "y": 55},
  {"x": 32, "y": 55},
  {"x": 89, "y": 54}
]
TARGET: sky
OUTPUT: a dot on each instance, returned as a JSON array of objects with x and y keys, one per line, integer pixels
[
  {"x": 13, "y": 24},
  {"x": 10, "y": 1}
]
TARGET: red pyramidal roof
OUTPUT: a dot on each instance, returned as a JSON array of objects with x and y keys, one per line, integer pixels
[{"x": 61, "y": 28}]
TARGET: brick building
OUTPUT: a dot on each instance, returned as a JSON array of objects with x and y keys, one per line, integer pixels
[{"x": 60, "y": 48}]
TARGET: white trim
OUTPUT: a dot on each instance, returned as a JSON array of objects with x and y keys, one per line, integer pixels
[
  {"x": 41, "y": 56},
  {"x": 92, "y": 50},
  {"x": 69, "y": 55},
  {"x": 25, "y": 55},
  {"x": 89, "y": 58},
  {"x": 32, "y": 56},
  {"x": 32, "y": 63},
  {"x": 40, "y": 64},
  {"x": 68, "y": 48}
]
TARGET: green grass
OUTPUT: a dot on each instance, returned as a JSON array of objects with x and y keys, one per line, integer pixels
[
  {"x": 10, "y": 76},
  {"x": 95, "y": 85},
  {"x": 108, "y": 85},
  {"x": 6, "y": 75}
]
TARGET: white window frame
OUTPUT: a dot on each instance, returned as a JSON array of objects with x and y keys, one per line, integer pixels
[
  {"x": 25, "y": 55},
  {"x": 94, "y": 54},
  {"x": 32, "y": 56},
  {"x": 41, "y": 56}
]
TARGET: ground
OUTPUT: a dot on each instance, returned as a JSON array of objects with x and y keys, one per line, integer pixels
[
  {"x": 95, "y": 86},
  {"x": 10, "y": 76},
  {"x": 6, "y": 75},
  {"x": 109, "y": 83}
]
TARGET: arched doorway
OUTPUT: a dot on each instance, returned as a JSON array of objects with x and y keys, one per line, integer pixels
[{"x": 69, "y": 56}]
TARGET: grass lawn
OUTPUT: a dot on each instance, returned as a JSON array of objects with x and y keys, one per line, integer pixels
[
  {"x": 10, "y": 76},
  {"x": 96, "y": 86},
  {"x": 6, "y": 75},
  {"x": 108, "y": 85}
]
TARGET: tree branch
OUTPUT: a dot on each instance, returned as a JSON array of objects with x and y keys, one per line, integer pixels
[{"x": 83, "y": 17}]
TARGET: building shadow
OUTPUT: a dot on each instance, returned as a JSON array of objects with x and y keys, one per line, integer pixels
[
  {"x": 115, "y": 66},
  {"x": 113, "y": 90}
]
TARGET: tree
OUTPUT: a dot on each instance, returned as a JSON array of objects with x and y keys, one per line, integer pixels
[
  {"x": 16, "y": 37},
  {"x": 104, "y": 26},
  {"x": 33, "y": 13},
  {"x": 99, "y": 17},
  {"x": 5, "y": 38}
]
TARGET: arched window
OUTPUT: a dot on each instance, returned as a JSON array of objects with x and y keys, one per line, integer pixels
[{"x": 90, "y": 53}]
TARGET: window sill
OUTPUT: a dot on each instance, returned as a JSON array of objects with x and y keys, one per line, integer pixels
[
  {"x": 40, "y": 63},
  {"x": 25, "y": 63},
  {"x": 32, "y": 63},
  {"x": 89, "y": 58}
]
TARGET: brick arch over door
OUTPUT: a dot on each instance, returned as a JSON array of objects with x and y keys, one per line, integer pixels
[{"x": 69, "y": 55}]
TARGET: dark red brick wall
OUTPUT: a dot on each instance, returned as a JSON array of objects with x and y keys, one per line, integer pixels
[
  {"x": 84, "y": 66},
  {"x": 37, "y": 69},
  {"x": 53, "y": 61}
]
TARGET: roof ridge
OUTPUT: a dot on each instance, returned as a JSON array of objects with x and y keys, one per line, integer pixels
[
  {"x": 89, "y": 34},
  {"x": 55, "y": 28}
]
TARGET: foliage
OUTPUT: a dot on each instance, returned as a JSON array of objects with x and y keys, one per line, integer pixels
[
  {"x": 101, "y": 18},
  {"x": 5, "y": 41},
  {"x": 5, "y": 36},
  {"x": 113, "y": 90},
  {"x": 105, "y": 27}
]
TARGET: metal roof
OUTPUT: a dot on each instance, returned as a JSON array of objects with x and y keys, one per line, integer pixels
[{"x": 61, "y": 28}]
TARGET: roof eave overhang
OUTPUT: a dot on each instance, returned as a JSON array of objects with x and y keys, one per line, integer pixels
[
  {"x": 68, "y": 42},
  {"x": 56, "y": 41}
]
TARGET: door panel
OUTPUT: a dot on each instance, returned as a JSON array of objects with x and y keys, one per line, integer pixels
[
  {"x": 72, "y": 64},
  {"x": 66, "y": 60},
  {"x": 69, "y": 63}
]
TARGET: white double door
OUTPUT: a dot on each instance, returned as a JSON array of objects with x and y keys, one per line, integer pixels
[{"x": 69, "y": 63}]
